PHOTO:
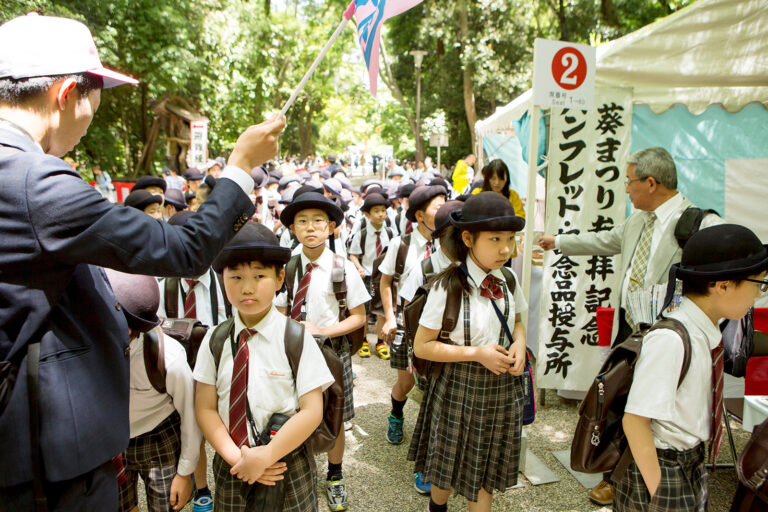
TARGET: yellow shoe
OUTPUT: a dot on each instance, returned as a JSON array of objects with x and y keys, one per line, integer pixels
[
  {"x": 382, "y": 351},
  {"x": 365, "y": 350}
]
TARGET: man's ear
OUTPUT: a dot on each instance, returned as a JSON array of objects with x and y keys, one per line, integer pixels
[{"x": 63, "y": 95}]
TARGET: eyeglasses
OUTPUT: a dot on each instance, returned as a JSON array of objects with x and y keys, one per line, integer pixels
[
  {"x": 628, "y": 181},
  {"x": 316, "y": 223},
  {"x": 763, "y": 284}
]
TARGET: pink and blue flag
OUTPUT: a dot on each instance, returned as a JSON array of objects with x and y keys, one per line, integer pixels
[{"x": 370, "y": 15}]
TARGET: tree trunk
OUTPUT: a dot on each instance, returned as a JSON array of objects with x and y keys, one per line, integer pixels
[
  {"x": 267, "y": 7},
  {"x": 389, "y": 81},
  {"x": 467, "y": 70},
  {"x": 608, "y": 11},
  {"x": 305, "y": 127}
]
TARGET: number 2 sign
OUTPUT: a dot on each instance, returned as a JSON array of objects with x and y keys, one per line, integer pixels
[{"x": 564, "y": 74}]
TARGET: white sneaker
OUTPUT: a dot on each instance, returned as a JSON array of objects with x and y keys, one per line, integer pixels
[{"x": 336, "y": 493}]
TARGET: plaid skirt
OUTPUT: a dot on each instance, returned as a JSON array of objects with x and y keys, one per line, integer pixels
[
  {"x": 153, "y": 456},
  {"x": 683, "y": 485},
  {"x": 399, "y": 352},
  {"x": 343, "y": 349},
  {"x": 467, "y": 435},
  {"x": 300, "y": 485}
]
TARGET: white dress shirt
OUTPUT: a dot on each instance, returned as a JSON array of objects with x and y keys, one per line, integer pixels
[
  {"x": 417, "y": 251},
  {"x": 147, "y": 408},
  {"x": 415, "y": 278},
  {"x": 271, "y": 384},
  {"x": 485, "y": 326},
  {"x": 680, "y": 417},
  {"x": 369, "y": 254},
  {"x": 202, "y": 291},
  {"x": 321, "y": 305}
]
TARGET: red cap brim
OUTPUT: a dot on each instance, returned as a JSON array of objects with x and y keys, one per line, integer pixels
[{"x": 113, "y": 78}]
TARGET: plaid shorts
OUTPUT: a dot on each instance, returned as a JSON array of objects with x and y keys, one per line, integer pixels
[
  {"x": 153, "y": 456},
  {"x": 300, "y": 485},
  {"x": 399, "y": 352},
  {"x": 683, "y": 485},
  {"x": 343, "y": 349}
]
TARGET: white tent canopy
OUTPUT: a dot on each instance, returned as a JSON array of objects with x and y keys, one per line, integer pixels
[{"x": 711, "y": 52}]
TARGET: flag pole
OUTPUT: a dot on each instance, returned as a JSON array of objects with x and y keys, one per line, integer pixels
[{"x": 347, "y": 16}]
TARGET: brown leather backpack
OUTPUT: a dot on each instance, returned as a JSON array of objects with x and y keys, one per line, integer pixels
[
  {"x": 599, "y": 443},
  {"x": 324, "y": 436},
  {"x": 187, "y": 331},
  {"x": 402, "y": 254},
  {"x": 752, "y": 468},
  {"x": 154, "y": 359}
]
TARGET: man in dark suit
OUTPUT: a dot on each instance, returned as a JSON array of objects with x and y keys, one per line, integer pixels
[{"x": 58, "y": 316}]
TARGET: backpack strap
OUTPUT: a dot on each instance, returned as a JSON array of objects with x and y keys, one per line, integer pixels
[
  {"x": 427, "y": 268},
  {"x": 363, "y": 235},
  {"x": 154, "y": 359},
  {"x": 402, "y": 255},
  {"x": 689, "y": 223},
  {"x": 290, "y": 275},
  {"x": 172, "y": 287},
  {"x": 218, "y": 279},
  {"x": 510, "y": 278},
  {"x": 450, "y": 315},
  {"x": 339, "y": 286},
  {"x": 219, "y": 338},
  {"x": 680, "y": 330},
  {"x": 294, "y": 344}
]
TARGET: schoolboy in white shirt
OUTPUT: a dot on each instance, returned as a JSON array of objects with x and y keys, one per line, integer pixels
[
  {"x": 165, "y": 439},
  {"x": 238, "y": 394},
  {"x": 723, "y": 271}
]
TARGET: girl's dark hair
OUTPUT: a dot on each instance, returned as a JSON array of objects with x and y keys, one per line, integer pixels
[
  {"x": 452, "y": 278},
  {"x": 499, "y": 168}
]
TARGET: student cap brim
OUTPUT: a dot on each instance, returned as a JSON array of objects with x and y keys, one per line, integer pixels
[{"x": 311, "y": 200}]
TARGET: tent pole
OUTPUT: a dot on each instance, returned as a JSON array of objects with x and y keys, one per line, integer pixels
[{"x": 530, "y": 203}]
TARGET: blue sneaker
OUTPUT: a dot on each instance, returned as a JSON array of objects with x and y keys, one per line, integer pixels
[
  {"x": 395, "y": 430},
  {"x": 202, "y": 503},
  {"x": 419, "y": 485}
]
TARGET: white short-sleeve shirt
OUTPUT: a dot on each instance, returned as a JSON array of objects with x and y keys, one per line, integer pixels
[
  {"x": 484, "y": 325},
  {"x": 271, "y": 385},
  {"x": 321, "y": 305},
  {"x": 202, "y": 291},
  {"x": 416, "y": 252},
  {"x": 680, "y": 417},
  {"x": 415, "y": 278},
  {"x": 369, "y": 254}
]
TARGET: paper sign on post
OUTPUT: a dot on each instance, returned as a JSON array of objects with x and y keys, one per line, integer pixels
[{"x": 564, "y": 74}]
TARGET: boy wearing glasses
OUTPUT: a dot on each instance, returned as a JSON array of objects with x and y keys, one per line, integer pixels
[{"x": 311, "y": 298}]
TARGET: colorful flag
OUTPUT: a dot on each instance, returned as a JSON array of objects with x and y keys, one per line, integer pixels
[{"x": 370, "y": 15}]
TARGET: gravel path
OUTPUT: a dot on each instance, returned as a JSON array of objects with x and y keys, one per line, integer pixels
[{"x": 379, "y": 478}]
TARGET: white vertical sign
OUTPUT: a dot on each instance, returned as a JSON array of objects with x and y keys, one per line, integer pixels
[
  {"x": 585, "y": 193},
  {"x": 198, "y": 143},
  {"x": 564, "y": 74}
]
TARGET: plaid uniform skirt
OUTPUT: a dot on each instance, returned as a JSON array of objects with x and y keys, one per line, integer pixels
[
  {"x": 399, "y": 352},
  {"x": 153, "y": 456},
  {"x": 343, "y": 349},
  {"x": 683, "y": 485},
  {"x": 300, "y": 485}
]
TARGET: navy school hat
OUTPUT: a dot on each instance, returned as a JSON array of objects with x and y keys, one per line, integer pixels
[
  {"x": 443, "y": 217},
  {"x": 308, "y": 200},
  {"x": 254, "y": 242},
  {"x": 420, "y": 197},
  {"x": 193, "y": 174},
  {"x": 141, "y": 198},
  {"x": 139, "y": 298},
  {"x": 175, "y": 198},
  {"x": 487, "y": 211},
  {"x": 405, "y": 190},
  {"x": 150, "y": 181},
  {"x": 374, "y": 199},
  {"x": 260, "y": 176}
]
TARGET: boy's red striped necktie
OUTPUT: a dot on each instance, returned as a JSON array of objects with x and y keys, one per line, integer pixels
[
  {"x": 379, "y": 246},
  {"x": 190, "y": 309},
  {"x": 716, "y": 434},
  {"x": 301, "y": 293},
  {"x": 238, "y": 424}
]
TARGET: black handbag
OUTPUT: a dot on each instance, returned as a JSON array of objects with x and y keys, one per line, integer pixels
[{"x": 259, "y": 496}]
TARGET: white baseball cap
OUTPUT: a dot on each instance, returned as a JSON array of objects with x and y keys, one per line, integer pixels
[{"x": 35, "y": 45}]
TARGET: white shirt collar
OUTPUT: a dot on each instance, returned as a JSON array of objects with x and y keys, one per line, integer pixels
[
  {"x": 700, "y": 320},
  {"x": 477, "y": 274},
  {"x": 665, "y": 210},
  {"x": 324, "y": 261},
  {"x": 204, "y": 279},
  {"x": 269, "y": 326},
  {"x": 420, "y": 239}
]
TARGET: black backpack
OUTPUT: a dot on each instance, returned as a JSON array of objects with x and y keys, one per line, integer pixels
[
  {"x": 689, "y": 223},
  {"x": 173, "y": 286},
  {"x": 599, "y": 443},
  {"x": 324, "y": 436}
]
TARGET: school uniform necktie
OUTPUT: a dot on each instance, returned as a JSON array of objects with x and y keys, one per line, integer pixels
[
  {"x": 238, "y": 423},
  {"x": 716, "y": 434},
  {"x": 379, "y": 246},
  {"x": 640, "y": 261},
  {"x": 119, "y": 465},
  {"x": 428, "y": 249},
  {"x": 190, "y": 310},
  {"x": 301, "y": 293},
  {"x": 490, "y": 288},
  {"x": 408, "y": 228}
]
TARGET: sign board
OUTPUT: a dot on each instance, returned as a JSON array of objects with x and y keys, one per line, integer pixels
[
  {"x": 563, "y": 74},
  {"x": 198, "y": 143},
  {"x": 438, "y": 140}
]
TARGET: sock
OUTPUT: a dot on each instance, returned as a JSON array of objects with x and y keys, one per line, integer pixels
[
  {"x": 379, "y": 342},
  {"x": 334, "y": 471},
  {"x": 203, "y": 491},
  {"x": 397, "y": 408},
  {"x": 434, "y": 507}
]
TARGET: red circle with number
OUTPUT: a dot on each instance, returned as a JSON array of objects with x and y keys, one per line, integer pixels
[{"x": 569, "y": 68}]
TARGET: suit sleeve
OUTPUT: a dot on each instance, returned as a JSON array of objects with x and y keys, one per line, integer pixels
[
  {"x": 74, "y": 224},
  {"x": 603, "y": 243}
]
